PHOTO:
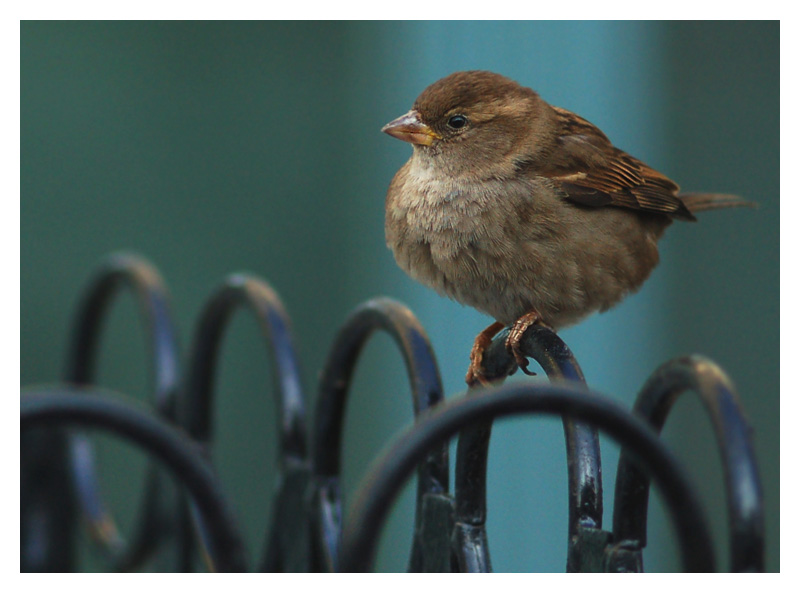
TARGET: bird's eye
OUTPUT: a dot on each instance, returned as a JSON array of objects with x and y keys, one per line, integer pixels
[{"x": 457, "y": 121}]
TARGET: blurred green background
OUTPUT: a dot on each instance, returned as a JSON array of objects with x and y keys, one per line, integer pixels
[{"x": 214, "y": 147}]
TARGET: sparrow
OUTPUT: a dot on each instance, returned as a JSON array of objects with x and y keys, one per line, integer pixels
[{"x": 523, "y": 210}]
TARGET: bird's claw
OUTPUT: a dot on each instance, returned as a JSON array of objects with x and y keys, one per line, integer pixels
[
  {"x": 475, "y": 373},
  {"x": 476, "y": 376},
  {"x": 520, "y": 359},
  {"x": 514, "y": 338}
]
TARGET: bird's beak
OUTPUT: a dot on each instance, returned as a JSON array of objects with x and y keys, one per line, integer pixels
[{"x": 409, "y": 128}]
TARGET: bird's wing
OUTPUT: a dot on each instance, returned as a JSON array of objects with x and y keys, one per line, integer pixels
[{"x": 592, "y": 172}]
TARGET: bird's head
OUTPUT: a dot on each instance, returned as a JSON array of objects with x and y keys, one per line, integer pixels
[{"x": 473, "y": 121}]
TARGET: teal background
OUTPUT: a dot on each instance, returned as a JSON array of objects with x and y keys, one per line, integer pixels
[{"x": 219, "y": 147}]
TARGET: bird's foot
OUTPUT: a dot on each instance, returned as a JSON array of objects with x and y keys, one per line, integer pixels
[
  {"x": 475, "y": 373},
  {"x": 515, "y": 334}
]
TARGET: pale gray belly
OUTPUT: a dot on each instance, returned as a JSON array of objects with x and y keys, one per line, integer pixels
[{"x": 565, "y": 271}]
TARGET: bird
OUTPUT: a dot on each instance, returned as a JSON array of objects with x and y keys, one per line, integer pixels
[{"x": 522, "y": 210}]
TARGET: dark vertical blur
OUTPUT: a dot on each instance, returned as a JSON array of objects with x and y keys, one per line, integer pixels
[
  {"x": 218, "y": 147},
  {"x": 724, "y": 104}
]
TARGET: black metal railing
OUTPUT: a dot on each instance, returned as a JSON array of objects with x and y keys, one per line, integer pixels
[{"x": 307, "y": 532}]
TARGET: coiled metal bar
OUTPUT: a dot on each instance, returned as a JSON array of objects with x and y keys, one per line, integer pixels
[
  {"x": 236, "y": 291},
  {"x": 243, "y": 290},
  {"x": 378, "y": 490},
  {"x": 426, "y": 390},
  {"x": 48, "y": 510},
  {"x": 124, "y": 270},
  {"x": 99, "y": 410},
  {"x": 733, "y": 434},
  {"x": 583, "y": 452},
  {"x": 306, "y": 532}
]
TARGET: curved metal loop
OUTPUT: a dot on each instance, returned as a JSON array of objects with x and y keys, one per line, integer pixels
[
  {"x": 583, "y": 449},
  {"x": 733, "y": 434},
  {"x": 197, "y": 398},
  {"x": 93, "y": 408},
  {"x": 144, "y": 281},
  {"x": 426, "y": 390},
  {"x": 243, "y": 290},
  {"x": 48, "y": 513},
  {"x": 384, "y": 480}
]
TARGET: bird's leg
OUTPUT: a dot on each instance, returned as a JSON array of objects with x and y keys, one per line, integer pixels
[
  {"x": 515, "y": 334},
  {"x": 475, "y": 373}
]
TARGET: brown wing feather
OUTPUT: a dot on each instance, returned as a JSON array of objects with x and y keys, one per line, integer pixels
[{"x": 593, "y": 172}]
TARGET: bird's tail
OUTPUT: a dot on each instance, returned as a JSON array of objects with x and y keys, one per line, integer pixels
[{"x": 702, "y": 202}]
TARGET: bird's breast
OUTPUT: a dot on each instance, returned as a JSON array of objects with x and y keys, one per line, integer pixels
[
  {"x": 508, "y": 246},
  {"x": 448, "y": 233}
]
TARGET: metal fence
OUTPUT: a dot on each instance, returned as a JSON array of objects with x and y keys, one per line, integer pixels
[{"x": 187, "y": 514}]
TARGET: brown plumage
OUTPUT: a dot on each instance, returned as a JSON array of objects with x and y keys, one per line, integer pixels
[{"x": 523, "y": 210}]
